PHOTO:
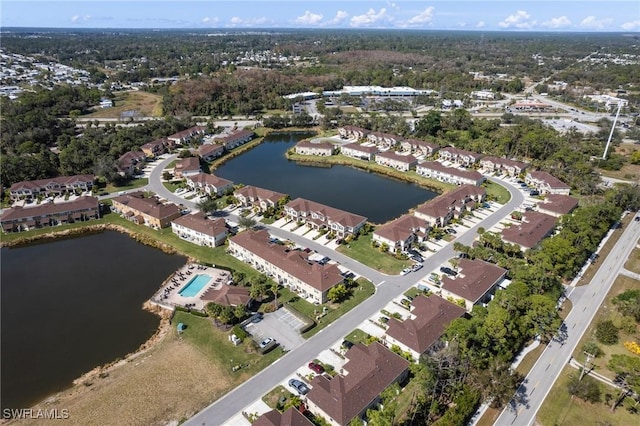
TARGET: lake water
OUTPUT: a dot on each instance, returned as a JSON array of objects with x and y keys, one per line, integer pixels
[
  {"x": 71, "y": 305},
  {"x": 377, "y": 197}
]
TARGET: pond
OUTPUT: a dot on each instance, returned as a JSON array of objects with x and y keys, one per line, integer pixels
[{"x": 377, "y": 197}]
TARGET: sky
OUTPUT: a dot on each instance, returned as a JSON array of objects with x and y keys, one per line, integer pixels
[{"x": 491, "y": 15}]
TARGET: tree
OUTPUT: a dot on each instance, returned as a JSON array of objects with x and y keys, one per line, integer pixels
[
  {"x": 240, "y": 312},
  {"x": 247, "y": 222},
  {"x": 274, "y": 290},
  {"x": 496, "y": 383},
  {"x": 607, "y": 332},
  {"x": 258, "y": 290},
  {"x": 587, "y": 389},
  {"x": 429, "y": 125},
  {"x": 337, "y": 293},
  {"x": 207, "y": 205}
]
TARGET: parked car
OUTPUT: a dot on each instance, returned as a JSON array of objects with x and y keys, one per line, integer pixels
[
  {"x": 256, "y": 318},
  {"x": 448, "y": 271},
  {"x": 266, "y": 342},
  {"x": 347, "y": 344},
  {"x": 451, "y": 231},
  {"x": 316, "y": 368},
  {"x": 417, "y": 258},
  {"x": 405, "y": 271},
  {"x": 534, "y": 192},
  {"x": 416, "y": 267},
  {"x": 299, "y": 386}
]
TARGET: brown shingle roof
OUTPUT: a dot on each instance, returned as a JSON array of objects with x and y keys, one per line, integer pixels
[
  {"x": 208, "y": 149},
  {"x": 432, "y": 315},
  {"x": 558, "y": 203},
  {"x": 254, "y": 192},
  {"x": 81, "y": 204},
  {"x": 531, "y": 230},
  {"x": 291, "y": 417},
  {"x": 188, "y": 164},
  {"x": 371, "y": 370},
  {"x": 549, "y": 179},
  {"x": 441, "y": 205},
  {"x": 150, "y": 206},
  {"x": 227, "y": 295},
  {"x": 339, "y": 216},
  {"x": 320, "y": 277},
  {"x": 359, "y": 147},
  {"x": 199, "y": 222},
  {"x": 474, "y": 279},
  {"x": 308, "y": 144},
  {"x": 207, "y": 179},
  {"x": 439, "y": 167},
  {"x": 401, "y": 228},
  {"x": 60, "y": 180},
  {"x": 392, "y": 155}
]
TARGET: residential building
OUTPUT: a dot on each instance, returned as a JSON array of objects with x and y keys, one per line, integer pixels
[
  {"x": 438, "y": 171},
  {"x": 18, "y": 219},
  {"x": 401, "y": 233},
  {"x": 145, "y": 211},
  {"x": 227, "y": 295},
  {"x": 440, "y": 210},
  {"x": 291, "y": 417},
  {"x": 129, "y": 163},
  {"x": 359, "y": 151},
  {"x": 459, "y": 156},
  {"x": 368, "y": 371},
  {"x": 427, "y": 322},
  {"x": 187, "y": 135},
  {"x": 404, "y": 163},
  {"x": 320, "y": 216},
  {"x": 235, "y": 139},
  {"x": 383, "y": 140},
  {"x": 546, "y": 183},
  {"x": 353, "y": 132},
  {"x": 252, "y": 196},
  {"x": 290, "y": 268},
  {"x": 306, "y": 147},
  {"x": 531, "y": 230},
  {"x": 197, "y": 229},
  {"x": 106, "y": 103},
  {"x": 51, "y": 187},
  {"x": 189, "y": 166},
  {"x": 475, "y": 283},
  {"x": 157, "y": 147},
  {"x": 210, "y": 151},
  {"x": 208, "y": 184},
  {"x": 503, "y": 165},
  {"x": 557, "y": 204},
  {"x": 419, "y": 147}
]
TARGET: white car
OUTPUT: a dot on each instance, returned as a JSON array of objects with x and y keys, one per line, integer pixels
[{"x": 405, "y": 271}]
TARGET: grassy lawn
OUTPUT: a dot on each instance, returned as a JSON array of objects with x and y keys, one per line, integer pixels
[
  {"x": 276, "y": 394},
  {"x": 362, "y": 251},
  {"x": 173, "y": 185},
  {"x": 214, "y": 343},
  {"x": 132, "y": 184},
  {"x": 608, "y": 311},
  {"x": 497, "y": 192},
  {"x": 559, "y": 408},
  {"x": 334, "y": 311},
  {"x": 147, "y": 104},
  {"x": 413, "y": 292},
  {"x": 357, "y": 336},
  {"x": 633, "y": 263},
  {"x": 529, "y": 360}
]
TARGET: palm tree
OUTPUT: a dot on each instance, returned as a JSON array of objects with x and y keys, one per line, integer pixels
[
  {"x": 247, "y": 222},
  {"x": 207, "y": 206},
  {"x": 274, "y": 291}
]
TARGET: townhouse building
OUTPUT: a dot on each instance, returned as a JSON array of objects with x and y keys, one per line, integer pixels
[
  {"x": 319, "y": 216},
  {"x": 438, "y": 171},
  {"x": 383, "y": 140},
  {"x": 421, "y": 331},
  {"x": 475, "y": 283},
  {"x": 359, "y": 151},
  {"x": 401, "y": 233},
  {"x": 394, "y": 160},
  {"x": 141, "y": 210},
  {"x": 129, "y": 164},
  {"x": 189, "y": 166},
  {"x": 368, "y": 371},
  {"x": 546, "y": 183},
  {"x": 210, "y": 151},
  {"x": 157, "y": 147},
  {"x": 531, "y": 230},
  {"x": 459, "y": 156},
  {"x": 17, "y": 219},
  {"x": 207, "y": 184},
  {"x": 235, "y": 139},
  {"x": 440, "y": 210},
  {"x": 253, "y": 196},
  {"x": 187, "y": 135},
  {"x": 419, "y": 147},
  {"x": 51, "y": 187},
  {"x": 306, "y": 147},
  {"x": 557, "y": 204},
  {"x": 353, "y": 132},
  {"x": 290, "y": 268},
  {"x": 503, "y": 165},
  {"x": 197, "y": 229},
  {"x": 291, "y": 417}
]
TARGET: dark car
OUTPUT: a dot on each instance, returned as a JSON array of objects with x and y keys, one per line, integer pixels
[
  {"x": 299, "y": 386},
  {"x": 347, "y": 344},
  {"x": 451, "y": 231},
  {"x": 448, "y": 271},
  {"x": 316, "y": 368},
  {"x": 256, "y": 318},
  {"x": 534, "y": 192}
]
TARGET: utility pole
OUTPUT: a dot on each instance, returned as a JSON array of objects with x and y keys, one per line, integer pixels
[
  {"x": 585, "y": 367},
  {"x": 613, "y": 126}
]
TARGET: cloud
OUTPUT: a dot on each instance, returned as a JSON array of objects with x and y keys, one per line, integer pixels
[
  {"x": 423, "y": 17},
  {"x": 631, "y": 25},
  {"x": 369, "y": 18},
  {"x": 341, "y": 15},
  {"x": 520, "y": 20},
  {"x": 393, "y": 5},
  {"x": 559, "y": 22},
  {"x": 76, "y": 19},
  {"x": 250, "y": 22},
  {"x": 309, "y": 18},
  {"x": 593, "y": 23},
  {"x": 480, "y": 24},
  {"x": 208, "y": 20}
]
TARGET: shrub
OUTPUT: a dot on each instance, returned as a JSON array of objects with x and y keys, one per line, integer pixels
[
  {"x": 586, "y": 389},
  {"x": 592, "y": 348},
  {"x": 633, "y": 347},
  {"x": 239, "y": 332},
  {"x": 607, "y": 332}
]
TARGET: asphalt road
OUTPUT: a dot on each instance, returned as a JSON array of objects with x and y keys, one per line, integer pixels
[
  {"x": 585, "y": 300},
  {"x": 387, "y": 287}
]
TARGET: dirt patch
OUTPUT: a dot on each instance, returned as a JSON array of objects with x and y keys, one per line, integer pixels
[
  {"x": 144, "y": 103},
  {"x": 170, "y": 381}
]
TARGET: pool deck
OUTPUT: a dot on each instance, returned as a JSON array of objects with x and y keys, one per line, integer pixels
[{"x": 168, "y": 294}]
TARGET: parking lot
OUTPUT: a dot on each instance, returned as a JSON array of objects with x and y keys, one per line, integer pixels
[{"x": 280, "y": 325}]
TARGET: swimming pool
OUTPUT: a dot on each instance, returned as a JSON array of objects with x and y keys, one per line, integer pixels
[{"x": 194, "y": 285}]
